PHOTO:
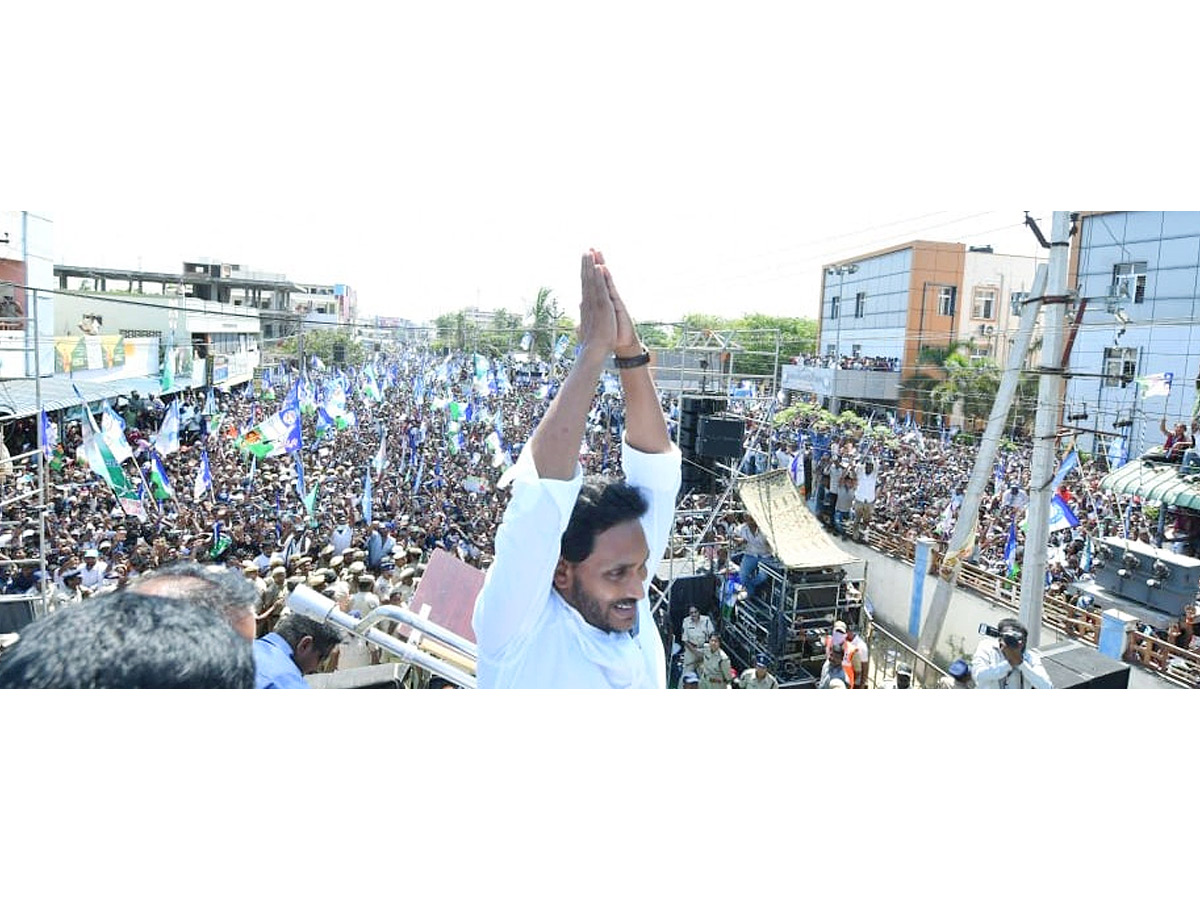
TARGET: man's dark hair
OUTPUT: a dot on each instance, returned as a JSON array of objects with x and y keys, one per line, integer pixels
[
  {"x": 294, "y": 627},
  {"x": 602, "y": 503},
  {"x": 1011, "y": 625},
  {"x": 126, "y": 640},
  {"x": 216, "y": 587}
]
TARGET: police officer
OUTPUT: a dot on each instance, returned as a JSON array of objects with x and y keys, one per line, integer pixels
[
  {"x": 714, "y": 669},
  {"x": 696, "y": 631},
  {"x": 758, "y": 677}
]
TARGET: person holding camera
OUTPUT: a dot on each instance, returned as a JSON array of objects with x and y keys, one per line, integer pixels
[{"x": 1002, "y": 660}]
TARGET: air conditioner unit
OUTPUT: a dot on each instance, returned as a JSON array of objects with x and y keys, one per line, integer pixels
[{"x": 989, "y": 329}]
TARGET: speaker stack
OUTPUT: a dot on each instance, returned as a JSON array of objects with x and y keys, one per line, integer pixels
[{"x": 698, "y": 469}]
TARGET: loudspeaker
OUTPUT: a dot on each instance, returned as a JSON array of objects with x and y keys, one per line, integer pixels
[
  {"x": 720, "y": 438},
  {"x": 699, "y": 474},
  {"x": 1072, "y": 665},
  {"x": 691, "y": 411},
  {"x": 687, "y": 591}
]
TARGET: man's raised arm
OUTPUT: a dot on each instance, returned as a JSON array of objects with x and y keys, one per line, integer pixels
[
  {"x": 555, "y": 442},
  {"x": 645, "y": 424}
]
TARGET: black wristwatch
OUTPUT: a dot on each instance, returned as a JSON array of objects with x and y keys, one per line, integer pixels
[{"x": 632, "y": 362}]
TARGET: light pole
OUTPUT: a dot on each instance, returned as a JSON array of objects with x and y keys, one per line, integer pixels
[{"x": 841, "y": 271}]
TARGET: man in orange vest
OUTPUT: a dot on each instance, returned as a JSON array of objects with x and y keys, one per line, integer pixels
[{"x": 842, "y": 653}]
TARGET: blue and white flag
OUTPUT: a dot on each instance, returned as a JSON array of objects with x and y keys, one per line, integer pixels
[
  {"x": 158, "y": 477},
  {"x": 1061, "y": 515},
  {"x": 1117, "y": 454},
  {"x": 526, "y": 341},
  {"x": 380, "y": 459},
  {"x": 417, "y": 477},
  {"x": 560, "y": 345},
  {"x": 368, "y": 497},
  {"x": 1070, "y": 461},
  {"x": 47, "y": 435},
  {"x": 1010, "y": 551},
  {"x": 203, "y": 480},
  {"x": 167, "y": 440},
  {"x": 112, "y": 427},
  {"x": 298, "y": 468},
  {"x": 1085, "y": 562}
]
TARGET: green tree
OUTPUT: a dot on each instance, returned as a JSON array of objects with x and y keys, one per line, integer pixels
[
  {"x": 501, "y": 336},
  {"x": 654, "y": 335},
  {"x": 797, "y": 337}
]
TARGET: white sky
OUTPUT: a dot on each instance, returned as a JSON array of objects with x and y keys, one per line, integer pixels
[{"x": 454, "y": 155}]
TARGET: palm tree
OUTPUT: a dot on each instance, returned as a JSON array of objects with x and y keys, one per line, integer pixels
[
  {"x": 543, "y": 318},
  {"x": 968, "y": 388}
]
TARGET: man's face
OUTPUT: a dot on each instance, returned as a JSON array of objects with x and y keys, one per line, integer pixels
[
  {"x": 606, "y": 586},
  {"x": 308, "y": 658}
]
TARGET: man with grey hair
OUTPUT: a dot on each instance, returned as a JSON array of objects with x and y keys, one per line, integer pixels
[{"x": 213, "y": 586}]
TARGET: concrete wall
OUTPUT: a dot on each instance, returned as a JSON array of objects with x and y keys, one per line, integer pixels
[{"x": 889, "y": 588}]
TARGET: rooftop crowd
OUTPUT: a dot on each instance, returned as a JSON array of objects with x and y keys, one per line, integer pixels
[{"x": 869, "y": 363}]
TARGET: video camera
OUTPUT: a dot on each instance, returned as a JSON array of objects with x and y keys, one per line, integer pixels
[{"x": 1010, "y": 638}]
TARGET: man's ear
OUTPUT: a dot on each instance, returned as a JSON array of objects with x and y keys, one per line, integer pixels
[
  {"x": 562, "y": 575},
  {"x": 304, "y": 643}
]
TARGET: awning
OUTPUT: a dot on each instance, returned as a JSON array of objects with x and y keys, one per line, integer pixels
[
  {"x": 1155, "y": 480},
  {"x": 793, "y": 532},
  {"x": 19, "y": 396}
]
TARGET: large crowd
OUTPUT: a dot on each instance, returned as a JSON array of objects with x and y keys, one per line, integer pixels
[{"x": 433, "y": 446}]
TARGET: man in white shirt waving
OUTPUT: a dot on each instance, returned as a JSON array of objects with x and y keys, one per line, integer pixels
[{"x": 565, "y": 604}]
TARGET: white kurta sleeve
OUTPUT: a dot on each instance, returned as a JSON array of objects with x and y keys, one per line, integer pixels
[{"x": 517, "y": 586}]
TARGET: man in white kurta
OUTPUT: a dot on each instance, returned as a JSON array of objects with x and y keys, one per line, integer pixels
[{"x": 542, "y": 620}]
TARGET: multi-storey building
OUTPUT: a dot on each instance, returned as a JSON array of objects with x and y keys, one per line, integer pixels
[
  {"x": 882, "y": 311},
  {"x": 1137, "y": 276}
]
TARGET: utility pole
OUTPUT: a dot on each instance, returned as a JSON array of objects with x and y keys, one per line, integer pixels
[
  {"x": 841, "y": 272},
  {"x": 968, "y": 514},
  {"x": 1045, "y": 436}
]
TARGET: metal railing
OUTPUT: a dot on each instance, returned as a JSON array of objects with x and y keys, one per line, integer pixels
[{"x": 1175, "y": 664}]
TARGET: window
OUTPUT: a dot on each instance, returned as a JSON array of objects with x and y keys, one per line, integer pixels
[
  {"x": 1120, "y": 365},
  {"x": 831, "y": 349},
  {"x": 1129, "y": 281},
  {"x": 860, "y": 304},
  {"x": 856, "y": 350},
  {"x": 1016, "y": 300},
  {"x": 834, "y": 303},
  {"x": 983, "y": 304},
  {"x": 946, "y": 295}
]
